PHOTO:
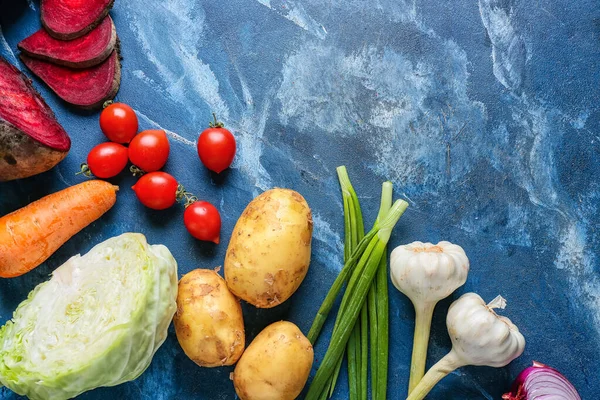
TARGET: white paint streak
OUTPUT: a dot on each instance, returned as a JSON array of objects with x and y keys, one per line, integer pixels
[
  {"x": 581, "y": 119},
  {"x": 578, "y": 260},
  {"x": 141, "y": 75},
  {"x": 172, "y": 134},
  {"x": 7, "y": 50},
  {"x": 178, "y": 25},
  {"x": 525, "y": 151},
  {"x": 310, "y": 94},
  {"x": 249, "y": 130},
  {"x": 331, "y": 241},
  {"x": 248, "y": 100},
  {"x": 392, "y": 97},
  {"x": 249, "y": 136},
  {"x": 295, "y": 12},
  {"x": 509, "y": 53}
]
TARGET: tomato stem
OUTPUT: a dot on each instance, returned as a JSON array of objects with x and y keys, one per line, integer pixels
[
  {"x": 85, "y": 170},
  {"x": 107, "y": 103},
  {"x": 136, "y": 171},
  {"x": 215, "y": 123},
  {"x": 183, "y": 194}
]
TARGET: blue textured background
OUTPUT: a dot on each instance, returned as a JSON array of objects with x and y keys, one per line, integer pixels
[{"x": 484, "y": 114}]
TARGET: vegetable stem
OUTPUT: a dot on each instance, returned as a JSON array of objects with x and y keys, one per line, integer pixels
[
  {"x": 386, "y": 200},
  {"x": 386, "y": 226},
  {"x": 323, "y": 396},
  {"x": 387, "y": 223},
  {"x": 373, "y": 335},
  {"x": 347, "y": 223},
  {"x": 354, "y": 232},
  {"x": 327, "y": 304},
  {"x": 335, "y": 376},
  {"x": 379, "y": 379},
  {"x": 364, "y": 352},
  {"x": 449, "y": 363},
  {"x": 346, "y": 325},
  {"x": 379, "y": 350},
  {"x": 352, "y": 350},
  {"x": 423, "y": 316},
  {"x": 355, "y": 299},
  {"x": 354, "y": 279}
]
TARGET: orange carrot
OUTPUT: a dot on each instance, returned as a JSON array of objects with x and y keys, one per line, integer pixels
[{"x": 33, "y": 233}]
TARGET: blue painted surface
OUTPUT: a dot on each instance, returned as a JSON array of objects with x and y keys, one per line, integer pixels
[{"x": 484, "y": 114}]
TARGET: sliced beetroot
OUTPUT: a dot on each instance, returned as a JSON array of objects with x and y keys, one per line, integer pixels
[
  {"x": 70, "y": 19},
  {"x": 86, "y": 51},
  {"x": 31, "y": 139},
  {"x": 87, "y": 88}
]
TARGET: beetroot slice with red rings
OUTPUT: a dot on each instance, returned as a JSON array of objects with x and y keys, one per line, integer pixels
[
  {"x": 31, "y": 139},
  {"x": 86, "y": 51},
  {"x": 70, "y": 19},
  {"x": 87, "y": 88}
]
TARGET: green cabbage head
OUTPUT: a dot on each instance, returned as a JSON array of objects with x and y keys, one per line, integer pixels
[{"x": 97, "y": 322}]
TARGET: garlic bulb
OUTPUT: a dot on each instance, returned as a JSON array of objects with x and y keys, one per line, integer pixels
[
  {"x": 426, "y": 273},
  {"x": 479, "y": 337}
]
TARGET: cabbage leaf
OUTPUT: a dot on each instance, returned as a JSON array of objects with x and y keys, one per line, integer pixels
[{"x": 97, "y": 322}]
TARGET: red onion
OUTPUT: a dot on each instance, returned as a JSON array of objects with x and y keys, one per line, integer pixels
[{"x": 541, "y": 382}]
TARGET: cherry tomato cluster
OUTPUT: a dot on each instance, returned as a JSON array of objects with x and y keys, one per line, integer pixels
[{"x": 148, "y": 151}]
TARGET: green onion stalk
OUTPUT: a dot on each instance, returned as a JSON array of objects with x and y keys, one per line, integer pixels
[
  {"x": 364, "y": 353},
  {"x": 368, "y": 326},
  {"x": 378, "y": 304},
  {"x": 380, "y": 375},
  {"x": 354, "y": 231},
  {"x": 363, "y": 274},
  {"x": 357, "y": 349},
  {"x": 348, "y": 267}
]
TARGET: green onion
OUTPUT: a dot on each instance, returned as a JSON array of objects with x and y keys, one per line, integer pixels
[
  {"x": 373, "y": 335},
  {"x": 379, "y": 379},
  {"x": 379, "y": 345},
  {"x": 354, "y": 231},
  {"x": 364, "y": 352},
  {"x": 327, "y": 304},
  {"x": 353, "y": 351},
  {"x": 357, "y": 254},
  {"x": 335, "y": 377},
  {"x": 355, "y": 295},
  {"x": 323, "y": 396}
]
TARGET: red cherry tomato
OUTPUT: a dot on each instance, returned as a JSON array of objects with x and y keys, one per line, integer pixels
[
  {"x": 107, "y": 159},
  {"x": 149, "y": 150},
  {"x": 119, "y": 123},
  {"x": 156, "y": 190},
  {"x": 216, "y": 147},
  {"x": 203, "y": 221}
]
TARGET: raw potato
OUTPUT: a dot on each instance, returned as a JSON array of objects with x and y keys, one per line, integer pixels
[
  {"x": 269, "y": 252},
  {"x": 208, "y": 323},
  {"x": 276, "y": 364}
]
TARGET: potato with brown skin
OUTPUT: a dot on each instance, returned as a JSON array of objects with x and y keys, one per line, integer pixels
[
  {"x": 208, "y": 322},
  {"x": 269, "y": 252},
  {"x": 275, "y": 366}
]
